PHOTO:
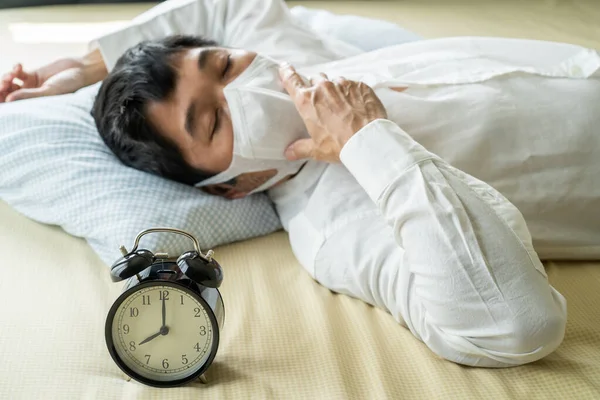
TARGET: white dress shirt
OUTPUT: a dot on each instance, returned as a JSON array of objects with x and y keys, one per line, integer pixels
[{"x": 397, "y": 224}]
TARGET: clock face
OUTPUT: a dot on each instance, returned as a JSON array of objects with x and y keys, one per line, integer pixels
[{"x": 162, "y": 332}]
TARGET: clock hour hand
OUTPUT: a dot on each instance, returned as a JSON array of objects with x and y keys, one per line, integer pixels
[
  {"x": 149, "y": 338},
  {"x": 163, "y": 331}
]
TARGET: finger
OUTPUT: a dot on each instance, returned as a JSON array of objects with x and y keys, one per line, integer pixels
[
  {"x": 292, "y": 82},
  {"x": 8, "y": 77},
  {"x": 16, "y": 72},
  {"x": 4, "y": 90},
  {"x": 343, "y": 86},
  {"x": 4, "y": 93},
  {"x": 363, "y": 87},
  {"x": 19, "y": 73},
  {"x": 320, "y": 78},
  {"x": 373, "y": 104},
  {"x": 23, "y": 94},
  {"x": 300, "y": 149},
  {"x": 17, "y": 69},
  {"x": 237, "y": 195}
]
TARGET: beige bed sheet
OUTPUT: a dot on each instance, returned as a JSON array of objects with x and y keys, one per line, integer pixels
[{"x": 285, "y": 336}]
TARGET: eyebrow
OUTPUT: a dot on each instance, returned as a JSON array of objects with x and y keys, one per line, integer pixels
[{"x": 190, "y": 118}]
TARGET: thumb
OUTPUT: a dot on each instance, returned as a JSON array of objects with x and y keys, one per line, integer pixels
[
  {"x": 23, "y": 94},
  {"x": 300, "y": 149}
]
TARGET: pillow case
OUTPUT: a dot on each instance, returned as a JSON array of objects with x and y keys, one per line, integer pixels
[{"x": 56, "y": 170}]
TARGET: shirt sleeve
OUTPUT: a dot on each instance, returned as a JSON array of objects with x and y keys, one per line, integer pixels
[
  {"x": 433, "y": 207},
  {"x": 446, "y": 254},
  {"x": 264, "y": 26}
]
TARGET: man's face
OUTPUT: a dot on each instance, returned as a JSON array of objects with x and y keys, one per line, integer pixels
[{"x": 196, "y": 116}]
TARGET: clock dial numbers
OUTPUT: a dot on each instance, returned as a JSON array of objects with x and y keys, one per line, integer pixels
[{"x": 143, "y": 344}]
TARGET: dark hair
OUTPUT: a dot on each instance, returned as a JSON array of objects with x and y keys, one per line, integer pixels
[{"x": 146, "y": 72}]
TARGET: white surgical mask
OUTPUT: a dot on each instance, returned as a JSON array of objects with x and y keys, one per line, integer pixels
[{"x": 265, "y": 121}]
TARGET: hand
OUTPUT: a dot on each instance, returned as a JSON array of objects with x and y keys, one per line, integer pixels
[
  {"x": 333, "y": 111},
  {"x": 164, "y": 315},
  {"x": 59, "y": 77},
  {"x": 149, "y": 338}
]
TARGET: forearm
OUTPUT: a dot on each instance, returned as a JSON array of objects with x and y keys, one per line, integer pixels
[
  {"x": 93, "y": 67},
  {"x": 439, "y": 214},
  {"x": 70, "y": 74}
]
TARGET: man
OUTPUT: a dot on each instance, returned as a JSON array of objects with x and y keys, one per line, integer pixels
[{"x": 395, "y": 223}]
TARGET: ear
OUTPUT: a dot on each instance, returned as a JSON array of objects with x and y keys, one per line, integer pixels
[{"x": 224, "y": 190}]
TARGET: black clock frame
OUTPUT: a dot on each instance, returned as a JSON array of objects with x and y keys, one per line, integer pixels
[{"x": 164, "y": 274}]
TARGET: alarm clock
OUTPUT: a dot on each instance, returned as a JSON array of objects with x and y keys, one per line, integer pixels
[{"x": 164, "y": 329}]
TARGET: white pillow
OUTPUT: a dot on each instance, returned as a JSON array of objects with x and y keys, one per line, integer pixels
[
  {"x": 56, "y": 170},
  {"x": 363, "y": 33}
]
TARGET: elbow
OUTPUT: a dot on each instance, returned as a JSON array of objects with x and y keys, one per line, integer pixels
[
  {"x": 518, "y": 342},
  {"x": 534, "y": 336},
  {"x": 531, "y": 335}
]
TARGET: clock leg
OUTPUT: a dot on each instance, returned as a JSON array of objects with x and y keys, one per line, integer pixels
[{"x": 203, "y": 379}]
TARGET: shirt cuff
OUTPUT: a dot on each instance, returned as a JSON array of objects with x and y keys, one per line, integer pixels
[{"x": 379, "y": 153}]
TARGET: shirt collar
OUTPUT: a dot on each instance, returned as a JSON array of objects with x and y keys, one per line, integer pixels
[{"x": 299, "y": 184}]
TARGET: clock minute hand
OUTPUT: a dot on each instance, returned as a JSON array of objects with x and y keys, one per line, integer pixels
[{"x": 164, "y": 315}]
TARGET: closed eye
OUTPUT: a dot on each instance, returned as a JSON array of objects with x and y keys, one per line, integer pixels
[
  {"x": 217, "y": 123},
  {"x": 227, "y": 65}
]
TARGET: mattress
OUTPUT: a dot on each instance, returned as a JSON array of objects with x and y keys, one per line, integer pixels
[{"x": 285, "y": 336}]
